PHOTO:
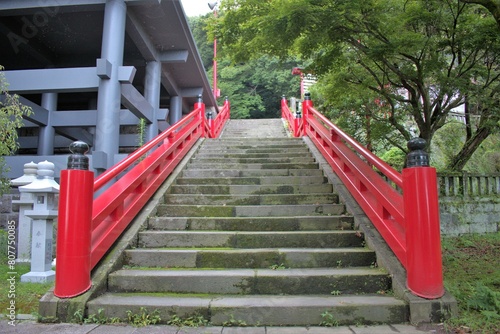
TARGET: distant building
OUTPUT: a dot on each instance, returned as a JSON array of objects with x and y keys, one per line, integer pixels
[{"x": 91, "y": 69}]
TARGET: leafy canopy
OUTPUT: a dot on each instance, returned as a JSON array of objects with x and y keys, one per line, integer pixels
[
  {"x": 417, "y": 60},
  {"x": 11, "y": 113}
]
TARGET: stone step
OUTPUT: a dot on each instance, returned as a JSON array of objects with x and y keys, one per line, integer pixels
[
  {"x": 177, "y": 210},
  {"x": 198, "y": 173},
  {"x": 250, "y": 239},
  {"x": 250, "y": 199},
  {"x": 256, "y": 146},
  {"x": 252, "y": 282},
  {"x": 266, "y": 310},
  {"x": 251, "y": 258},
  {"x": 276, "y": 154},
  {"x": 237, "y": 166},
  {"x": 218, "y": 160},
  {"x": 254, "y": 141},
  {"x": 254, "y": 150},
  {"x": 304, "y": 223},
  {"x": 264, "y": 180},
  {"x": 322, "y": 188}
]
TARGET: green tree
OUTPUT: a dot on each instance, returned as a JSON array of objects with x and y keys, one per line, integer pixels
[
  {"x": 11, "y": 118},
  {"x": 204, "y": 43},
  {"x": 254, "y": 87},
  {"x": 419, "y": 60},
  {"x": 493, "y": 6}
]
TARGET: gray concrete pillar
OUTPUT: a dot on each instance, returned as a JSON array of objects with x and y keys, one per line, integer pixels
[
  {"x": 109, "y": 94},
  {"x": 175, "y": 109},
  {"x": 152, "y": 94},
  {"x": 47, "y": 133}
]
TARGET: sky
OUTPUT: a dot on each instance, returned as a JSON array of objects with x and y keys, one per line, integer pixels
[{"x": 196, "y": 7}]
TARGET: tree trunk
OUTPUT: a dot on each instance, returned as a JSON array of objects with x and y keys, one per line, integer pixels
[{"x": 470, "y": 146}]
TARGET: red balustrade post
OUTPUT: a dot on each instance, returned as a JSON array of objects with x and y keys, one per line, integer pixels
[
  {"x": 284, "y": 104},
  {"x": 306, "y": 104},
  {"x": 211, "y": 125},
  {"x": 201, "y": 105},
  {"x": 421, "y": 211},
  {"x": 227, "y": 106},
  {"x": 74, "y": 225}
]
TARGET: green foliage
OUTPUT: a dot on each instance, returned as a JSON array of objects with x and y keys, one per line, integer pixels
[
  {"x": 406, "y": 64},
  {"x": 232, "y": 322},
  {"x": 11, "y": 118},
  {"x": 205, "y": 43},
  {"x": 485, "y": 299},
  {"x": 472, "y": 276},
  {"x": 143, "y": 318},
  {"x": 277, "y": 266},
  {"x": 448, "y": 141},
  {"x": 328, "y": 320},
  {"x": 195, "y": 321},
  {"x": 3, "y": 246},
  {"x": 100, "y": 318},
  {"x": 254, "y": 87},
  {"x": 394, "y": 157}
]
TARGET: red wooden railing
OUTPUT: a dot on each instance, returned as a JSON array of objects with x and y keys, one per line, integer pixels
[
  {"x": 216, "y": 125},
  {"x": 85, "y": 241},
  {"x": 294, "y": 121},
  {"x": 403, "y": 206}
]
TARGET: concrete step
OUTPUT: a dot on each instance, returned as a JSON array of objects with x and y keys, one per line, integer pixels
[
  {"x": 177, "y": 210},
  {"x": 275, "y": 154},
  {"x": 264, "y": 180},
  {"x": 252, "y": 282},
  {"x": 249, "y": 239},
  {"x": 238, "y": 166},
  {"x": 253, "y": 141},
  {"x": 266, "y": 310},
  {"x": 304, "y": 223},
  {"x": 250, "y": 199},
  {"x": 257, "y": 146},
  {"x": 254, "y": 150},
  {"x": 198, "y": 173},
  {"x": 219, "y": 159},
  {"x": 322, "y": 188},
  {"x": 251, "y": 258}
]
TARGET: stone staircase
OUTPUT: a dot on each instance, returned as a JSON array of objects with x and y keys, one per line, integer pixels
[{"x": 251, "y": 233}]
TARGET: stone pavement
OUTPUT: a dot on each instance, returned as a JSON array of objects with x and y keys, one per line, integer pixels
[{"x": 32, "y": 327}]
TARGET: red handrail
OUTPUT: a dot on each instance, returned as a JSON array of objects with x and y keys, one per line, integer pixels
[
  {"x": 414, "y": 238},
  {"x": 216, "y": 125},
  {"x": 294, "y": 123},
  {"x": 115, "y": 208},
  {"x": 88, "y": 237}
]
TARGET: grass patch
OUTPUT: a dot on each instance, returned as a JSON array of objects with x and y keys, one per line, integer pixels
[
  {"x": 27, "y": 295},
  {"x": 472, "y": 276}
]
